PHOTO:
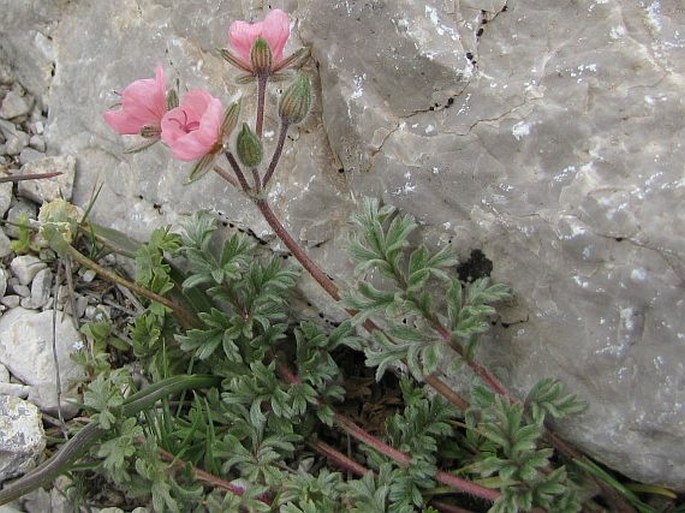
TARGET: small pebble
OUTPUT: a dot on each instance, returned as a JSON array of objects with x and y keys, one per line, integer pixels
[
  {"x": 37, "y": 127},
  {"x": 25, "y": 267},
  {"x": 11, "y": 301},
  {"x": 19, "y": 208},
  {"x": 88, "y": 275},
  {"x": 21, "y": 290},
  {"x": 37, "y": 143},
  {"x": 28, "y": 154},
  {"x": 4, "y": 374},
  {"x": 5, "y": 246},
  {"x": 16, "y": 142},
  {"x": 60, "y": 186},
  {"x": 16, "y": 104},
  {"x": 3, "y": 282},
  {"x": 40, "y": 288}
]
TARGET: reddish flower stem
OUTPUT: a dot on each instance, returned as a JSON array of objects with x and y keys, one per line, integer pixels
[
  {"x": 444, "y": 390},
  {"x": 256, "y": 179},
  {"x": 338, "y": 458},
  {"x": 478, "y": 369},
  {"x": 204, "y": 476},
  {"x": 261, "y": 99},
  {"x": 238, "y": 172},
  {"x": 355, "y": 431},
  {"x": 277, "y": 153},
  {"x": 313, "y": 269}
]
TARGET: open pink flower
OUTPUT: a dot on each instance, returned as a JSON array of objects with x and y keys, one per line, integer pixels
[
  {"x": 192, "y": 130},
  {"x": 275, "y": 30},
  {"x": 143, "y": 103}
]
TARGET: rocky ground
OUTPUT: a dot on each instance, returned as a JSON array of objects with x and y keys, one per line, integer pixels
[{"x": 43, "y": 300}]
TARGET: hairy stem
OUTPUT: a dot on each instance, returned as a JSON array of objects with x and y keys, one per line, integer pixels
[
  {"x": 238, "y": 172},
  {"x": 261, "y": 99},
  {"x": 302, "y": 257},
  {"x": 257, "y": 181},
  {"x": 224, "y": 174},
  {"x": 363, "y": 436},
  {"x": 277, "y": 153},
  {"x": 338, "y": 458}
]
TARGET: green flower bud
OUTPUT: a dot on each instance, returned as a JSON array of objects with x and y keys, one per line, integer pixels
[
  {"x": 261, "y": 57},
  {"x": 249, "y": 147},
  {"x": 296, "y": 101}
]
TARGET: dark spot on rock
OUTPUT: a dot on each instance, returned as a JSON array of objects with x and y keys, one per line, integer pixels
[
  {"x": 477, "y": 266},
  {"x": 341, "y": 170},
  {"x": 618, "y": 239}
]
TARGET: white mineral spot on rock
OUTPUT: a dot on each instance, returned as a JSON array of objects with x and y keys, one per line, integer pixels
[
  {"x": 638, "y": 274},
  {"x": 520, "y": 129},
  {"x": 627, "y": 316},
  {"x": 581, "y": 281},
  {"x": 617, "y": 32},
  {"x": 653, "y": 11}
]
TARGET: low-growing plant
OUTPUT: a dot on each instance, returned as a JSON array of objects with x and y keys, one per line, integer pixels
[{"x": 248, "y": 406}]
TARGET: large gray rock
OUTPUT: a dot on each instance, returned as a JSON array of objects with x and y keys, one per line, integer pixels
[
  {"x": 22, "y": 438},
  {"x": 549, "y": 135},
  {"x": 26, "y": 349}
]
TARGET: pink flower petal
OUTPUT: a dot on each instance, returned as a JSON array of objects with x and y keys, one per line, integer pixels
[
  {"x": 143, "y": 103},
  {"x": 192, "y": 129},
  {"x": 275, "y": 29}
]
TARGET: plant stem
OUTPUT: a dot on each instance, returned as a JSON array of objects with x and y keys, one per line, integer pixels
[
  {"x": 277, "y": 153},
  {"x": 33, "y": 176},
  {"x": 238, "y": 172},
  {"x": 257, "y": 181},
  {"x": 261, "y": 98},
  {"x": 184, "y": 316},
  {"x": 363, "y": 436},
  {"x": 89, "y": 434},
  {"x": 203, "y": 475},
  {"x": 313, "y": 269},
  {"x": 444, "y": 390},
  {"x": 224, "y": 174},
  {"x": 338, "y": 458},
  {"x": 485, "y": 375}
]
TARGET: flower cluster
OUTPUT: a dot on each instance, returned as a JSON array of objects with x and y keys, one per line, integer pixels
[
  {"x": 191, "y": 129},
  {"x": 195, "y": 128}
]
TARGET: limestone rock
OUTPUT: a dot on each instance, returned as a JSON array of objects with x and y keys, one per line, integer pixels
[
  {"x": 48, "y": 189},
  {"x": 26, "y": 350},
  {"x": 547, "y": 135},
  {"x": 5, "y": 197},
  {"x": 15, "y": 104},
  {"x": 25, "y": 267},
  {"x": 22, "y": 439}
]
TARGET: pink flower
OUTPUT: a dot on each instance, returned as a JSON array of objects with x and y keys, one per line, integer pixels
[
  {"x": 275, "y": 29},
  {"x": 192, "y": 130},
  {"x": 143, "y": 103}
]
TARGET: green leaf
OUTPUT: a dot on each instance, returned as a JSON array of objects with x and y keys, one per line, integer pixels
[{"x": 548, "y": 397}]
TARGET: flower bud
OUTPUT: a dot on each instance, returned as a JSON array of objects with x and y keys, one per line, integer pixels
[
  {"x": 249, "y": 148},
  {"x": 296, "y": 101},
  {"x": 261, "y": 57}
]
